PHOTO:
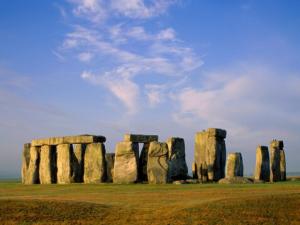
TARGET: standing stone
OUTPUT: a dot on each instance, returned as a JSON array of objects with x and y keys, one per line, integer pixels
[
  {"x": 126, "y": 162},
  {"x": 262, "y": 166},
  {"x": 25, "y": 162},
  {"x": 177, "y": 165},
  {"x": 234, "y": 166},
  {"x": 110, "y": 161},
  {"x": 94, "y": 163},
  {"x": 282, "y": 166},
  {"x": 64, "y": 163},
  {"x": 275, "y": 160},
  {"x": 143, "y": 162},
  {"x": 48, "y": 167},
  {"x": 78, "y": 162},
  {"x": 32, "y": 173},
  {"x": 210, "y": 149},
  {"x": 157, "y": 167}
]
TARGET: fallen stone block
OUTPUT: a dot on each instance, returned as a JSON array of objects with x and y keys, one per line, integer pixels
[
  {"x": 235, "y": 180},
  {"x": 126, "y": 162}
]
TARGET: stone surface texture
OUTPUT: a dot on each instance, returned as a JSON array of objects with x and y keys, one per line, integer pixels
[
  {"x": 25, "y": 162},
  {"x": 262, "y": 165},
  {"x": 64, "y": 163},
  {"x": 176, "y": 155},
  {"x": 235, "y": 180},
  {"x": 94, "y": 163},
  {"x": 32, "y": 173},
  {"x": 78, "y": 162},
  {"x": 234, "y": 165},
  {"x": 110, "y": 162},
  {"x": 157, "y": 166},
  {"x": 126, "y": 162},
  {"x": 275, "y": 146},
  {"x": 282, "y": 165},
  {"x": 210, "y": 154},
  {"x": 47, "y": 168}
]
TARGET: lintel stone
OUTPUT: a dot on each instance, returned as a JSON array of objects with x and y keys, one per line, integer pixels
[
  {"x": 140, "y": 138},
  {"x": 79, "y": 139}
]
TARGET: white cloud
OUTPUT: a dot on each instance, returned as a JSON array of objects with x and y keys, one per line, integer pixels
[{"x": 85, "y": 56}]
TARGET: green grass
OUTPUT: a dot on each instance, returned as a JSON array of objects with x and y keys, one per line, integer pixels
[{"x": 277, "y": 203}]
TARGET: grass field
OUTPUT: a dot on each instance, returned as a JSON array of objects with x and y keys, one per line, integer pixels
[{"x": 150, "y": 204}]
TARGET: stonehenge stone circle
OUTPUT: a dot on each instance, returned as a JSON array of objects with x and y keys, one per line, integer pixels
[
  {"x": 83, "y": 159},
  {"x": 126, "y": 162},
  {"x": 176, "y": 159},
  {"x": 110, "y": 162},
  {"x": 262, "y": 165},
  {"x": 94, "y": 163},
  {"x": 210, "y": 154},
  {"x": 48, "y": 169},
  {"x": 234, "y": 165},
  {"x": 157, "y": 165},
  {"x": 275, "y": 160}
]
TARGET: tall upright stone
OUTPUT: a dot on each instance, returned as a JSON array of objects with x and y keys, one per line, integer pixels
[
  {"x": 282, "y": 166},
  {"x": 234, "y": 165},
  {"x": 32, "y": 173},
  {"x": 262, "y": 166},
  {"x": 210, "y": 153},
  {"x": 275, "y": 147},
  {"x": 126, "y": 162},
  {"x": 176, "y": 159},
  {"x": 48, "y": 169},
  {"x": 157, "y": 165},
  {"x": 110, "y": 162},
  {"x": 78, "y": 162},
  {"x": 64, "y": 163},
  {"x": 25, "y": 161},
  {"x": 143, "y": 162},
  {"x": 94, "y": 163}
]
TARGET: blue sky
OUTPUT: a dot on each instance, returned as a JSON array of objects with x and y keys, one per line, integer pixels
[{"x": 166, "y": 67}]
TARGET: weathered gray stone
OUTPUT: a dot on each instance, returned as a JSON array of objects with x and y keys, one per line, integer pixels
[
  {"x": 234, "y": 165},
  {"x": 126, "y": 162},
  {"x": 157, "y": 166},
  {"x": 262, "y": 166},
  {"x": 282, "y": 166},
  {"x": 79, "y": 139},
  {"x": 275, "y": 160},
  {"x": 78, "y": 162},
  {"x": 25, "y": 161},
  {"x": 143, "y": 163},
  {"x": 110, "y": 162},
  {"x": 94, "y": 163},
  {"x": 48, "y": 169},
  {"x": 177, "y": 165},
  {"x": 64, "y": 163},
  {"x": 32, "y": 173},
  {"x": 210, "y": 149},
  {"x": 140, "y": 138},
  {"x": 235, "y": 180}
]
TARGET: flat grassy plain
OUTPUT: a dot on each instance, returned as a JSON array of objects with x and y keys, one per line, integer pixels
[{"x": 277, "y": 203}]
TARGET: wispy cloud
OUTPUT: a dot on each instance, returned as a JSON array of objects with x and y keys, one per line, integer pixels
[{"x": 124, "y": 51}]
